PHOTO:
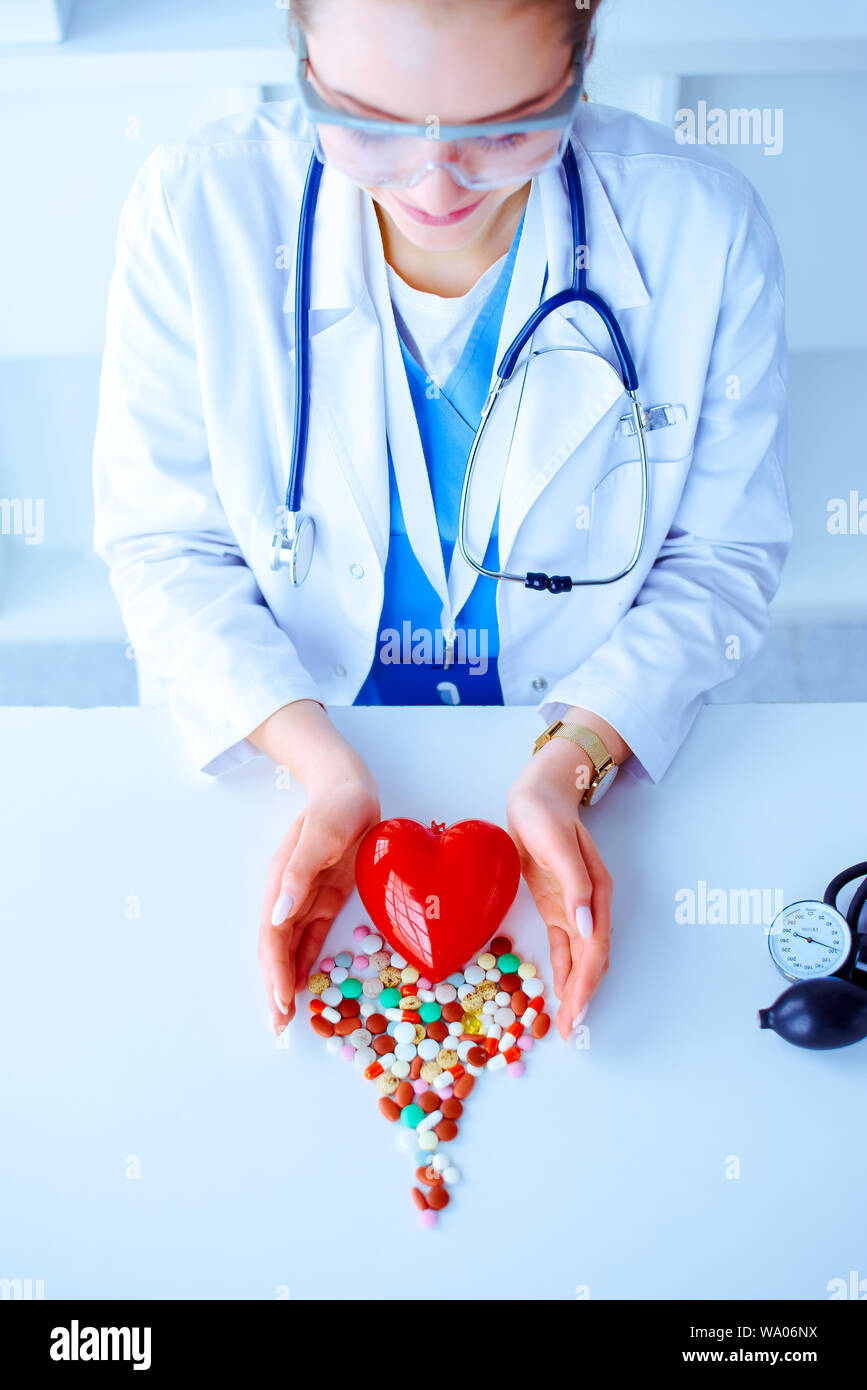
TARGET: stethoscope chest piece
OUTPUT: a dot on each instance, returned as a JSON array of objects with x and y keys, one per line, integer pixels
[{"x": 292, "y": 547}]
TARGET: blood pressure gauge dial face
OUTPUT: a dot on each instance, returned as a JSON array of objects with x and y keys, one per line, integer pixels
[{"x": 808, "y": 940}]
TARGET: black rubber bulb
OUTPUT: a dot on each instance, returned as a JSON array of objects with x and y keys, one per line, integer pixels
[{"x": 819, "y": 1013}]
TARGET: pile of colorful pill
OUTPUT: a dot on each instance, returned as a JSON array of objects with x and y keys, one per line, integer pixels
[{"x": 424, "y": 1043}]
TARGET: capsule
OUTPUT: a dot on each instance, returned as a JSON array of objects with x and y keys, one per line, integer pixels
[{"x": 374, "y": 1070}]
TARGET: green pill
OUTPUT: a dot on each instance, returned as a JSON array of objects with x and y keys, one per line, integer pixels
[
  {"x": 350, "y": 989},
  {"x": 390, "y": 998},
  {"x": 429, "y": 1013},
  {"x": 508, "y": 963},
  {"x": 411, "y": 1115}
]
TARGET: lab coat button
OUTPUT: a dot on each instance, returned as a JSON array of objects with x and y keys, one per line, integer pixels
[
  {"x": 357, "y": 571},
  {"x": 340, "y": 670},
  {"x": 540, "y": 683}
]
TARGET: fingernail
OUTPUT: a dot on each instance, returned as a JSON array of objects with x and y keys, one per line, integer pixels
[
  {"x": 579, "y": 1018},
  {"x": 584, "y": 922},
  {"x": 284, "y": 1008},
  {"x": 282, "y": 908}
]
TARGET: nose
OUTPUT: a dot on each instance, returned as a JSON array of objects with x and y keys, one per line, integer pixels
[{"x": 438, "y": 192}]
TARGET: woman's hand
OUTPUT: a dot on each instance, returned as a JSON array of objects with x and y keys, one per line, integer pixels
[
  {"x": 309, "y": 879},
  {"x": 312, "y": 874},
  {"x": 570, "y": 884}
]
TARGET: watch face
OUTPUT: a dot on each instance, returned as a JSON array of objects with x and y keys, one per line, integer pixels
[{"x": 603, "y": 786}]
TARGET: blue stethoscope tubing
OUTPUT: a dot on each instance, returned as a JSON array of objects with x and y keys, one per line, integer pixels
[{"x": 293, "y": 542}]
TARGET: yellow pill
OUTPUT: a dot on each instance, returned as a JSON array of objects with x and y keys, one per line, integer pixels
[
  {"x": 420, "y": 1033},
  {"x": 318, "y": 982},
  {"x": 390, "y": 977},
  {"x": 526, "y": 970},
  {"x": 471, "y": 1003},
  {"x": 430, "y": 1070},
  {"x": 447, "y": 1057},
  {"x": 409, "y": 975},
  {"x": 487, "y": 961},
  {"x": 470, "y": 1023},
  {"x": 487, "y": 989}
]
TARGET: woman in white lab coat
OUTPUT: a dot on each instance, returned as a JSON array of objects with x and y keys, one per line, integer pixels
[{"x": 419, "y": 282}]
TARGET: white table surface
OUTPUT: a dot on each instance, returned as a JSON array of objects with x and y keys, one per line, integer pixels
[{"x": 266, "y": 1172}]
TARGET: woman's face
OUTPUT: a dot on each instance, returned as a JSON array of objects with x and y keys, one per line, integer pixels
[{"x": 456, "y": 64}]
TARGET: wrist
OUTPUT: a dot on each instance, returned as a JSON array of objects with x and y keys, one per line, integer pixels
[
  {"x": 301, "y": 737},
  {"x": 561, "y": 766}
]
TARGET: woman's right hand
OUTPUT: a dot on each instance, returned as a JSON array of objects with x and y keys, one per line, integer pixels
[{"x": 309, "y": 880}]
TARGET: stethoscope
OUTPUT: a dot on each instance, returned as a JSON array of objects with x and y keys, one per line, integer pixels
[
  {"x": 293, "y": 541},
  {"x": 824, "y": 955}
]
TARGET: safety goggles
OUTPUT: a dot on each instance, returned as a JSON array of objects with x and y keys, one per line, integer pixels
[{"x": 484, "y": 154}]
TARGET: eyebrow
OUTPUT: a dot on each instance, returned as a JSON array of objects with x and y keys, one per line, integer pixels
[{"x": 480, "y": 120}]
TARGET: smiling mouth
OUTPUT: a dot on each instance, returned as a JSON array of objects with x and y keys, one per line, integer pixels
[{"x": 447, "y": 220}]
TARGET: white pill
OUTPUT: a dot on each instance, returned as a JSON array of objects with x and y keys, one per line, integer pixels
[
  {"x": 474, "y": 1071},
  {"x": 370, "y": 945},
  {"x": 332, "y": 1015},
  {"x": 407, "y": 1138},
  {"x": 506, "y": 1041},
  {"x": 504, "y": 1017},
  {"x": 332, "y": 997},
  {"x": 465, "y": 990},
  {"x": 533, "y": 987},
  {"x": 502, "y": 999},
  {"x": 493, "y": 974},
  {"x": 333, "y": 1044},
  {"x": 367, "y": 1008},
  {"x": 498, "y": 1060},
  {"x": 398, "y": 962},
  {"x": 372, "y": 988},
  {"x": 451, "y": 1175},
  {"x": 445, "y": 993},
  {"x": 426, "y": 996},
  {"x": 364, "y": 1056},
  {"x": 440, "y": 1161},
  {"x": 393, "y": 1014},
  {"x": 494, "y": 1031},
  {"x": 428, "y": 1049},
  {"x": 464, "y": 1048},
  {"x": 529, "y": 1016},
  {"x": 338, "y": 975},
  {"x": 400, "y": 1069},
  {"x": 427, "y": 1141},
  {"x": 456, "y": 1029},
  {"x": 474, "y": 975},
  {"x": 404, "y": 1032},
  {"x": 444, "y": 1079},
  {"x": 430, "y": 1121},
  {"x": 360, "y": 1038},
  {"x": 405, "y": 1052},
  {"x": 489, "y": 1007}
]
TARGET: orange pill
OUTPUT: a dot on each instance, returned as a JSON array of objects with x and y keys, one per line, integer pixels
[
  {"x": 389, "y": 1109},
  {"x": 345, "y": 1027},
  {"x": 322, "y": 1027},
  {"x": 540, "y": 1026},
  {"x": 464, "y": 1086},
  {"x": 404, "y": 1095},
  {"x": 376, "y": 1024},
  {"x": 438, "y": 1031},
  {"x": 477, "y": 1056},
  {"x": 429, "y": 1102},
  {"x": 452, "y": 1013},
  {"x": 451, "y": 1108},
  {"x": 383, "y": 1044},
  {"x": 437, "y": 1197},
  {"x": 429, "y": 1176},
  {"x": 445, "y": 1130},
  {"x": 512, "y": 1054},
  {"x": 316, "y": 1006},
  {"x": 410, "y": 1016},
  {"x": 374, "y": 1070},
  {"x": 415, "y": 1067},
  {"x": 419, "y": 1198},
  {"x": 517, "y": 1004}
]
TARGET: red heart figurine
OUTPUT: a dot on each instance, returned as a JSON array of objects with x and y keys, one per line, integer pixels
[{"x": 437, "y": 894}]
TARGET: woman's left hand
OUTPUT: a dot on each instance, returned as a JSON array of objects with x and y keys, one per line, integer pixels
[{"x": 565, "y": 874}]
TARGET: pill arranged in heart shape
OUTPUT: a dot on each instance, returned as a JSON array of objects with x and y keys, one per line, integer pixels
[{"x": 424, "y": 1045}]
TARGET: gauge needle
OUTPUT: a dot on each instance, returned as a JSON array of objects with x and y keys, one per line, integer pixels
[{"x": 814, "y": 939}]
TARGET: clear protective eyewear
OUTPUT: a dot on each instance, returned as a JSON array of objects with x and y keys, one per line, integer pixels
[{"x": 484, "y": 154}]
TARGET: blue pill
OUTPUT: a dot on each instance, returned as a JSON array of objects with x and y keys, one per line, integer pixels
[{"x": 343, "y": 958}]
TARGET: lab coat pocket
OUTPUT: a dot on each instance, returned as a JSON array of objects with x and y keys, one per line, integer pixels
[{"x": 615, "y": 511}]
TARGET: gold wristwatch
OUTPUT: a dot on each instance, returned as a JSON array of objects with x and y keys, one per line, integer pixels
[{"x": 606, "y": 768}]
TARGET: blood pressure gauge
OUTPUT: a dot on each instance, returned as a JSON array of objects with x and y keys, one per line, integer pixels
[{"x": 808, "y": 940}]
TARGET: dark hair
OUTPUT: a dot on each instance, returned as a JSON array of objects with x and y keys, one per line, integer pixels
[{"x": 577, "y": 15}]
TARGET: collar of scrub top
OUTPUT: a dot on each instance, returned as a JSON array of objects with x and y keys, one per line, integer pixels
[{"x": 347, "y": 279}]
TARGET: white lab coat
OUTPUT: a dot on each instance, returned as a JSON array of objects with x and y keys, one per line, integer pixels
[{"x": 195, "y": 423}]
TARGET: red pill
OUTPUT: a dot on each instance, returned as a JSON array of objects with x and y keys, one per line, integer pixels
[
  {"x": 438, "y": 1031},
  {"x": 429, "y": 1176},
  {"x": 349, "y": 1008},
  {"x": 477, "y": 1056},
  {"x": 322, "y": 1027},
  {"x": 451, "y": 1108},
  {"x": 437, "y": 1197},
  {"x": 464, "y": 1086},
  {"x": 429, "y": 1102},
  {"x": 345, "y": 1027},
  {"x": 452, "y": 1013},
  {"x": 415, "y": 1067},
  {"x": 445, "y": 1130},
  {"x": 512, "y": 1054},
  {"x": 316, "y": 1006},
  {"x": 501, "y": 946},
  {"x": 384, "y": 1044},
  {"x": 419, "y": 1198},
  {"x": 540, "y": 1026},
  {"x": 404, "y": 1095},
  {"x": 509, "y": 983},
  {"x": 517, "y": 1004},
  {"x": 389, "y": 1109},
  {"x": 376, "y": 1024},
  {"x": 410, "y": 1016}
]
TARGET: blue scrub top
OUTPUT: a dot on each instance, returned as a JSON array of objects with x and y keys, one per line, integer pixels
[{"x": 407, "y": 668}]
